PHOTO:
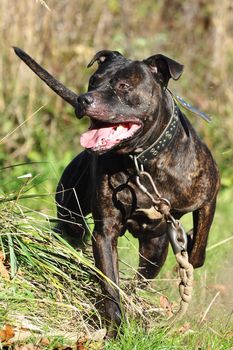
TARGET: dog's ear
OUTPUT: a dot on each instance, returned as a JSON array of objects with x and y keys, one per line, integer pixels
[
  {"x": 164, "y": 68},
  {"x": 103, "y": 56}
]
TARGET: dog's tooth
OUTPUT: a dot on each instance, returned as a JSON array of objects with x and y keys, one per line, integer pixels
[{"x": 120, "y": 127}]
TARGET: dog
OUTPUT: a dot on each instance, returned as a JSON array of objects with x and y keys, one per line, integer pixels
[{"x": 133, "y": 116}]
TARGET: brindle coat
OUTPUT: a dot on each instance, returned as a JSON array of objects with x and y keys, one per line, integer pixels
[{"x": 104, "y": 184}]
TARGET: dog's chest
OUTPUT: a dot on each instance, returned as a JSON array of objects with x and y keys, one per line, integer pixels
[{"x": 138, "y": 214}]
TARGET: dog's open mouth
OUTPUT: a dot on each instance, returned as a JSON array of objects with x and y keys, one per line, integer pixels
[{"x": 104, "y": 136}]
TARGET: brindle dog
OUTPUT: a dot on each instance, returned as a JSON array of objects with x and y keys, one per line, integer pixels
[{"x": 130, "y": 107}]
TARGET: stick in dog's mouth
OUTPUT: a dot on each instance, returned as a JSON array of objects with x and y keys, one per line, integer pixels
[{"x": 65, "y": 93}]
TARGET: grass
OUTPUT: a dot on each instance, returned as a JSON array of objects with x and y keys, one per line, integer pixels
[
  {"x": 46, "y": 285},
  {"x": 42, "y": 272},
  {"x": 135, "y": 338},
  {"x": 213, "y": 283},
  {"x": 51, "y": 289}
]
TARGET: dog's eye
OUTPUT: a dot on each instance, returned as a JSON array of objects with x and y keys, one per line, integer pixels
[{"x": 122, "y": 86}]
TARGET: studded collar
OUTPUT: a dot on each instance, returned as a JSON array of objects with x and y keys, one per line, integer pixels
[{"x": 162, "y": 141}]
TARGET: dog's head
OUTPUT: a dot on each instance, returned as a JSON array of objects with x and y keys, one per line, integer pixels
[{"x": 123, "y": 99}]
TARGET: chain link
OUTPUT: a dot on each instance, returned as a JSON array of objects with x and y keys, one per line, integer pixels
[
  {"x": 176, "y": 233},
  {"x": 178, "y": 239}
]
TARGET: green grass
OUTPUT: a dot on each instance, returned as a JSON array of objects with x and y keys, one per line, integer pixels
[
  {"x": 45, "y": 280},
  {"x": 215, "y": 332},
  {"x": 52, "y": 289},
  {"x": 135, "y": 338}
]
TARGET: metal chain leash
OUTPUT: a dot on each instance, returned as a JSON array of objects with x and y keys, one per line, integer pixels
[{"x": 178, "y": 240}]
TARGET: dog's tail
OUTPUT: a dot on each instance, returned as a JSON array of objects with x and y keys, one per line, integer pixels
[{"x": 68, "y": 95}]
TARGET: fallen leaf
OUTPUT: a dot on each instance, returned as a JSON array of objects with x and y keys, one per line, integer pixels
[
  {"x": 80, "y": 344},
  {"x": 6, "y": 333},
  {"x": 44, "y": 342},
  {"x": 166, "y": 305},
  {"x": 183, "y": 329},
  {"x": 220, "y": 287},
  {"x": 3, "y": 270}
]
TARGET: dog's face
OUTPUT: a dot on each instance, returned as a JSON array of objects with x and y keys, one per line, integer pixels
[{"x": 123, "y": 100}]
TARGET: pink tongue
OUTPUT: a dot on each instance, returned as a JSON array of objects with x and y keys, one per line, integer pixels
[{"x": 108, "y": 136}]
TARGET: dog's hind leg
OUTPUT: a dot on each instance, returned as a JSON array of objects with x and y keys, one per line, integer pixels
[
  {"x": 73, "y": 198},
  {"x": 202, "y": 220},
  {"x": 152, "y": 255}
]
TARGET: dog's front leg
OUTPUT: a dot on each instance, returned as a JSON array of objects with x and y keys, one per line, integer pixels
[{"x": 105, "y": 255}]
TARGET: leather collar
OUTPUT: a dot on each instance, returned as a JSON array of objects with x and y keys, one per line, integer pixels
[{"x": 162, "y": 141}]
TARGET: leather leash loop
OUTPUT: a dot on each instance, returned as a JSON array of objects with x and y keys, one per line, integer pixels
[{"x": 177, "y": 237}]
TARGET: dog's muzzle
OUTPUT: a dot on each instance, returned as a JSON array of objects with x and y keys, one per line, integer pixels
[{"x": 83, "y": 101}]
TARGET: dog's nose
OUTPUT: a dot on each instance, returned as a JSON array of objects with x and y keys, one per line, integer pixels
[{"x": 85, "y": 99}]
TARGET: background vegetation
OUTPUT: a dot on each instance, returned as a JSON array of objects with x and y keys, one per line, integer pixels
[
  {"x": 39, "y": 131},
  {"x": 198, "y": 34}
]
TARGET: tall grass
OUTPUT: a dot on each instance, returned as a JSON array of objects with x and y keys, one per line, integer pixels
[
  {"x": 40, "y": 270},
  {"x": 43, "y": 269}
]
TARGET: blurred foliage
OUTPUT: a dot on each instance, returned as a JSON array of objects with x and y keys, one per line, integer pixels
[{"x": 64, "y": 39}]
